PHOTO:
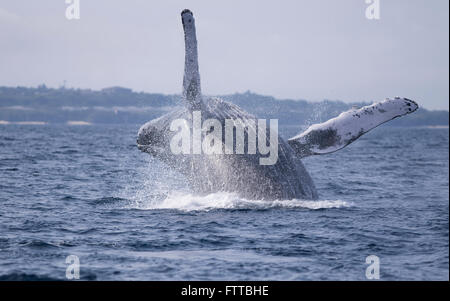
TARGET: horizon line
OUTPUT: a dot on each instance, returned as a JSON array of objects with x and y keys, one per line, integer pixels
[{"x": 179, "y": 94}]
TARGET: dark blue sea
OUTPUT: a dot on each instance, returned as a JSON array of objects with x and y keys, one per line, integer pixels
[{"x": 88, "y": 191}]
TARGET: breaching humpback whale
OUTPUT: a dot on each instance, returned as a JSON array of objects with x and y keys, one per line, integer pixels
[{"x": 242, "y": 173}]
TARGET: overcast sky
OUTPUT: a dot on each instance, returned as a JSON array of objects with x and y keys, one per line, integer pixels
[{"x": 308, "y": 49}]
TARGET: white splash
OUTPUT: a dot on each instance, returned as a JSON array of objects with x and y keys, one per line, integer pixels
[
  {"x": 223, "y": 200},
  {"x": 152, "y": 188}
]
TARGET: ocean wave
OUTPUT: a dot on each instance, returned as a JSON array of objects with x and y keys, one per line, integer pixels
[
  {"x": 35, "y": 277},
  {"x": 26, "y": 277},
  {"x": 224, "y": 200}
]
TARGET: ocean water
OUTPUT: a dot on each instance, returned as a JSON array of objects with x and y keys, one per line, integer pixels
[{"x": 88, "y": 191}]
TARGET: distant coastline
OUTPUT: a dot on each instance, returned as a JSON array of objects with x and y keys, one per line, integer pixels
[{"x": 117, "y": 105}]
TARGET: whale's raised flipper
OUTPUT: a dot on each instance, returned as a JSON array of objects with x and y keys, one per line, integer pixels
[
  {"x": 342, "y": 130},
  {"x": 192, "y": 95},
  {"x": 243, "y": 173}
]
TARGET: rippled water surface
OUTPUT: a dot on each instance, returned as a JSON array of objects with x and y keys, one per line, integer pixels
[{"x": 88, "y": 191}]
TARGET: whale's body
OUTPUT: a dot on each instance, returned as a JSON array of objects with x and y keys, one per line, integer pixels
[{"x": 243, "y": 173}]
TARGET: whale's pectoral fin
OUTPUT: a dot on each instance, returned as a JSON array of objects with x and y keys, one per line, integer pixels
[
  {"x": 192, "y": 94},
  {"x": 342, "y": 130}
]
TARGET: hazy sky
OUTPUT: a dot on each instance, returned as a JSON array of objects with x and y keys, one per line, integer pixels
[{"x": 308, "y": 49}]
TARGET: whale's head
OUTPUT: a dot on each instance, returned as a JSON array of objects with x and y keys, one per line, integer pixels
[
  {"x": 151, "y": 139},
  {"x": 155, "y": 136}
]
